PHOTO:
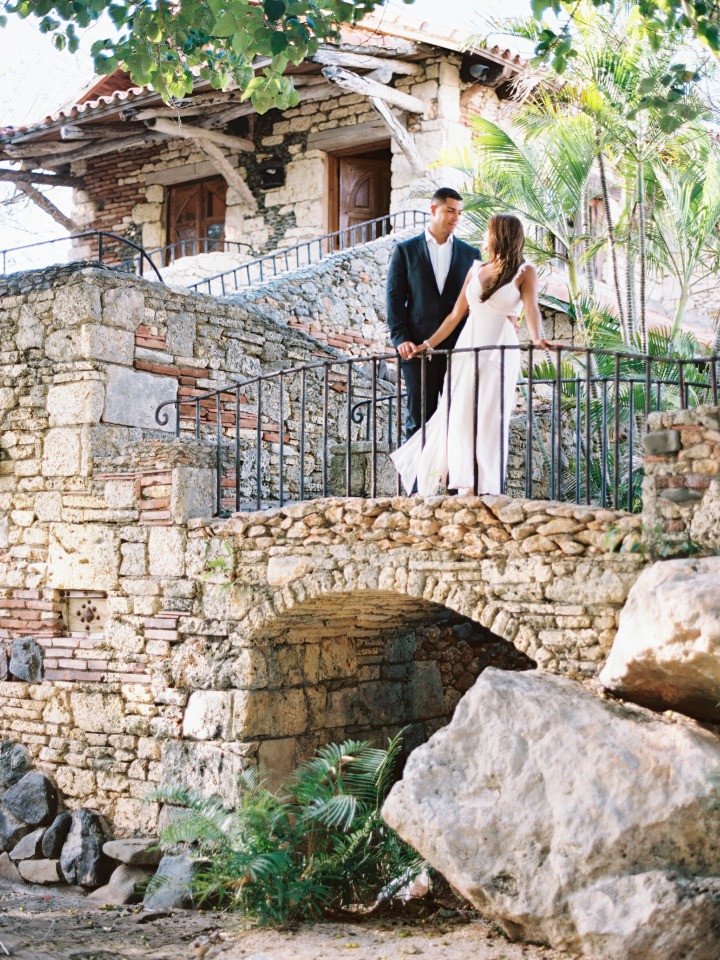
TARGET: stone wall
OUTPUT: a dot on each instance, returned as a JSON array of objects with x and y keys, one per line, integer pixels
[{"x": 681, "y": 489}]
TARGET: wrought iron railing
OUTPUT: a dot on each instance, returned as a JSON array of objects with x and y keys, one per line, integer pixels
[
  {"x": 103, "y": 239},
  {"x": 194, "y": 246},
  {"x": 575, "y": 427},
  {"x": 310, "y": 251}
]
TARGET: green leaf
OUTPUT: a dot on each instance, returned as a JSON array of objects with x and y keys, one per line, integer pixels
[
  {"x": 274, "y": 9},
  {"x": 226, "y": 26},
  {"x": 278, "y": 43}
]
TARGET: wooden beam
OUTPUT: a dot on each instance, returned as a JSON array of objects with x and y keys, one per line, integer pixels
[
  {"x": 351, "y": 135},
  {"x": 401, "y": 136},
  {"x": 98, "y": 148},
  {"x": 232, "y": 177},
  {"x": 48, "y": 207},
  {"x": 353, "y": 82},
  {"x": 332, "y": 57},
  {"x": 33, "y": 176},
  {"x": 188, "y": 132},
  {"x": 97, "y": 131}
]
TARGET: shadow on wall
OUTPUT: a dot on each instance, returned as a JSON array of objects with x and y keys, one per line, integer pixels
[{"x": 337, "y": 667}]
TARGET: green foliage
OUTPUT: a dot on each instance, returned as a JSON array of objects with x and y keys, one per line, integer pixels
[
  {"x": 320, "y": 845},
  {"x": 165, "y": 45},
  {"x": 653, "y": 20}
]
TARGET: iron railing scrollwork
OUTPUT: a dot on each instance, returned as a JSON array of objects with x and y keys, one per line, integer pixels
[{"x": 575, "y": 431}]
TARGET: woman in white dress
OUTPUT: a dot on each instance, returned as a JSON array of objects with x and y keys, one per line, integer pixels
[{"x": 494, "y": 291}]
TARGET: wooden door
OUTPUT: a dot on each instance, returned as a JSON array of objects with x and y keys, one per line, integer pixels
[
  {"x": 363, "y": 194},
  {"x": 196, "y": 217}
]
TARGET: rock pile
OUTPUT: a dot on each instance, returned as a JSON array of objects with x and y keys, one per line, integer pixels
[{"x": 41, "y": 843}]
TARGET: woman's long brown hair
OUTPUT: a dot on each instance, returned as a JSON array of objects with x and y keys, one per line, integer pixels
[{"x": 506, "y": 240}]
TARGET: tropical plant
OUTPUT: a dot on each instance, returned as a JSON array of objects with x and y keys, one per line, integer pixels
[
  {"x": 317, "y": 847},
  {"x": 165, "y": 44}
]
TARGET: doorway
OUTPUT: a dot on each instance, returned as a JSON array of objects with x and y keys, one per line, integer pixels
[
  {"x": 360, "y": 191},
  {"x": 196, "y": 218}
]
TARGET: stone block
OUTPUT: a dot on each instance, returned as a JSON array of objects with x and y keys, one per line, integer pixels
[
  {"x": 33, "y": 799},
  {"x": 138, "y": 852},
  {"x": 82, "y": 860},
  {"x": 31, "y": 330},
  {"x": 40, "y": 871},
  {"x": 333, "y": 659},
  {"x": 424, "y": 692},
  {"x": 181, "y": 334},
  {"x": 8, "y": 870},
  {"x": 109, "y": 344},
  {"x": 120, "y": 494},
  {"x": 75, "y": 304},
  {"x": 26, "y": 660},
  {"x": 133, "y": 396},
  {"x": 29, "y": 847},
  {"x": 55, "y": 835},
  {"x": 63, "y": 345},
  {"x": 134, "y": 560},
  {"x": 192, "y": 493},
  {"x": 48, "y": 506},
  {"x": 166, "y": 552},
  {"x": 269, "y": 713},
  {"x": 379, "y": 702},
  {"x": 14, "y": 762},
  {"x": 98, "y": 712},
  {"x": 62, "y": 453},
  {"x": 122, "y": 887},
  {"x": 123, "y": 308},
  {"x": 173, "y": 889},
  {"x": 661, "y": 442},
  {"x": 83, "y": 557},
  {"x": 11, "y": 829},
  {"x": 208, "y": 715},
  {"x": 70, "y": 404},
  {"x": 208, "y": 768},
  {"x": 282, "y": 570},
  {"x": 135, "y": 815},
  {"x": 277, "y": 760}
]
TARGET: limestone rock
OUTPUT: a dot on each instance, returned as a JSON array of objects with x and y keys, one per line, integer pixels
[
  {"x": 55, "y": 835},
  {"x": 8, "y": 870},
  {"x": 172, "y": 886},
  {"x": 40, "y": 871},
  {"x": 11, "y": 829},
  {"x": 137, "y": 852},
  {"x": 26, "y": 660},
  {"x": 122, "y": 886},
  {"x": 14, "y": 762},
  {"x": 29, "y": 847},
  {"x": 33, "y": 799},
  {"x": 4, "y": 665},
  {"x": 82, "y": 860},
  {"x": 628, "y": 916},
  {"x": 666, "y": 653},
  {"x": 537, "y": 792}
]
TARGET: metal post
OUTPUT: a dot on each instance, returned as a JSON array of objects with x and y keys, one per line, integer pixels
[{"x": 282, "y": 436}]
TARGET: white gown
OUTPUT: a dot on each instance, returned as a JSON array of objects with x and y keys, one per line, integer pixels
[{"x": 449, "y": 452}]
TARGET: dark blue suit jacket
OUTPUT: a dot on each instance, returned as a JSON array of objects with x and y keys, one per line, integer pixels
[{"x": 415, "y": 306}]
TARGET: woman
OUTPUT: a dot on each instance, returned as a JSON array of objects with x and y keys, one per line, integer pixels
[{"x": 494, "y": 289}]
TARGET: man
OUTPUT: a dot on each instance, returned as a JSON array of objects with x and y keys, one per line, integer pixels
[{"x": 425, "y": 277}]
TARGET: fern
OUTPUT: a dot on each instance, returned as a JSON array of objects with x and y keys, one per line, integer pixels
[{"x": 317, "y": 846}]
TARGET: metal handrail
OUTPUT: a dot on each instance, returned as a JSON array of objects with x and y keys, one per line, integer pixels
[
  {"x": 583, "y": 426},
  {"x": 101, "y": 236},
  {"x": 210, "y": 244},
  {"x": 309, "y": 251}
]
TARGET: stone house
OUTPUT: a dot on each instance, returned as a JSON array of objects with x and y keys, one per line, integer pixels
[{"x": 375, "y": 109}]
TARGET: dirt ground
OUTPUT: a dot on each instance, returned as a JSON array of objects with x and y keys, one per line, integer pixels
[{"x": 58, "y": 923}]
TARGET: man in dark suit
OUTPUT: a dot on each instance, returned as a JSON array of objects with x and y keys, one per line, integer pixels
[{"x": 425, "y": 277}]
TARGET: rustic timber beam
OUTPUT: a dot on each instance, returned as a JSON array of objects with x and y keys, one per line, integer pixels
[
  {"x": 96, "y": 131},
  {"x": 187, "y": 132},
  {"x": 32, "y": 176},
  {"x": 331, "y": 57},
  {"x": 231, "y": 175},
  {"x": 98, "y": 148},
  {"x": 354, "y": 83},
  {"x": 48, "y": 207},
  {"x": 401, "y": 136}
]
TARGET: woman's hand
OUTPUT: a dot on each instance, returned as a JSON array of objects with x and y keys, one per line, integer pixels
[
  {"x": 419, "y": 348},
  {"x": 547, "y": 344}
]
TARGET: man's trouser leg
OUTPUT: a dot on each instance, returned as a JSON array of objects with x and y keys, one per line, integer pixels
[{"x": 412, "y": 375}]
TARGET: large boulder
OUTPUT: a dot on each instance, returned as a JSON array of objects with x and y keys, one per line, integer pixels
[
  {"x": 14, "y": 762},
  {"x": 666, "y": 653},
  {"x": 548, "y": 807},
  {"x": 82, "y": 860},
  {"x": 11, "y": 829},
  {"x": 54, "y": 837},
  {"x": 172, "y": 886},
  {"x": 122, "y": 887},
  {"x": 33, "y": 799}
]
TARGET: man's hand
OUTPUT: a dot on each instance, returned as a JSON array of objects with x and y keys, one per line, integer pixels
[
  {"x": 515, "y": 321},
  {"x": 406, "y": 349}
]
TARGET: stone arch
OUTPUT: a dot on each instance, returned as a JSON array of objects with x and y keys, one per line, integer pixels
[{"x": 333, "y": 665}]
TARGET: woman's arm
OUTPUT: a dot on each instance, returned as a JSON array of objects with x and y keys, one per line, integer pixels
[
  {"x": 451, "y": 320},
  {"x": 531, "y": 307}
]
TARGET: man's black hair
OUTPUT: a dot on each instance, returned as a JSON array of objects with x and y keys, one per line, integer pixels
[{"x": 445, "y": 193}]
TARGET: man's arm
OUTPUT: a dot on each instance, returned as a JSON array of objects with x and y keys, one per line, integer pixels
[{"x": 397, "y": 295}]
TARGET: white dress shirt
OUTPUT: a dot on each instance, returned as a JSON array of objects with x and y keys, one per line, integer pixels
[{"x": 440, "y": 257}]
